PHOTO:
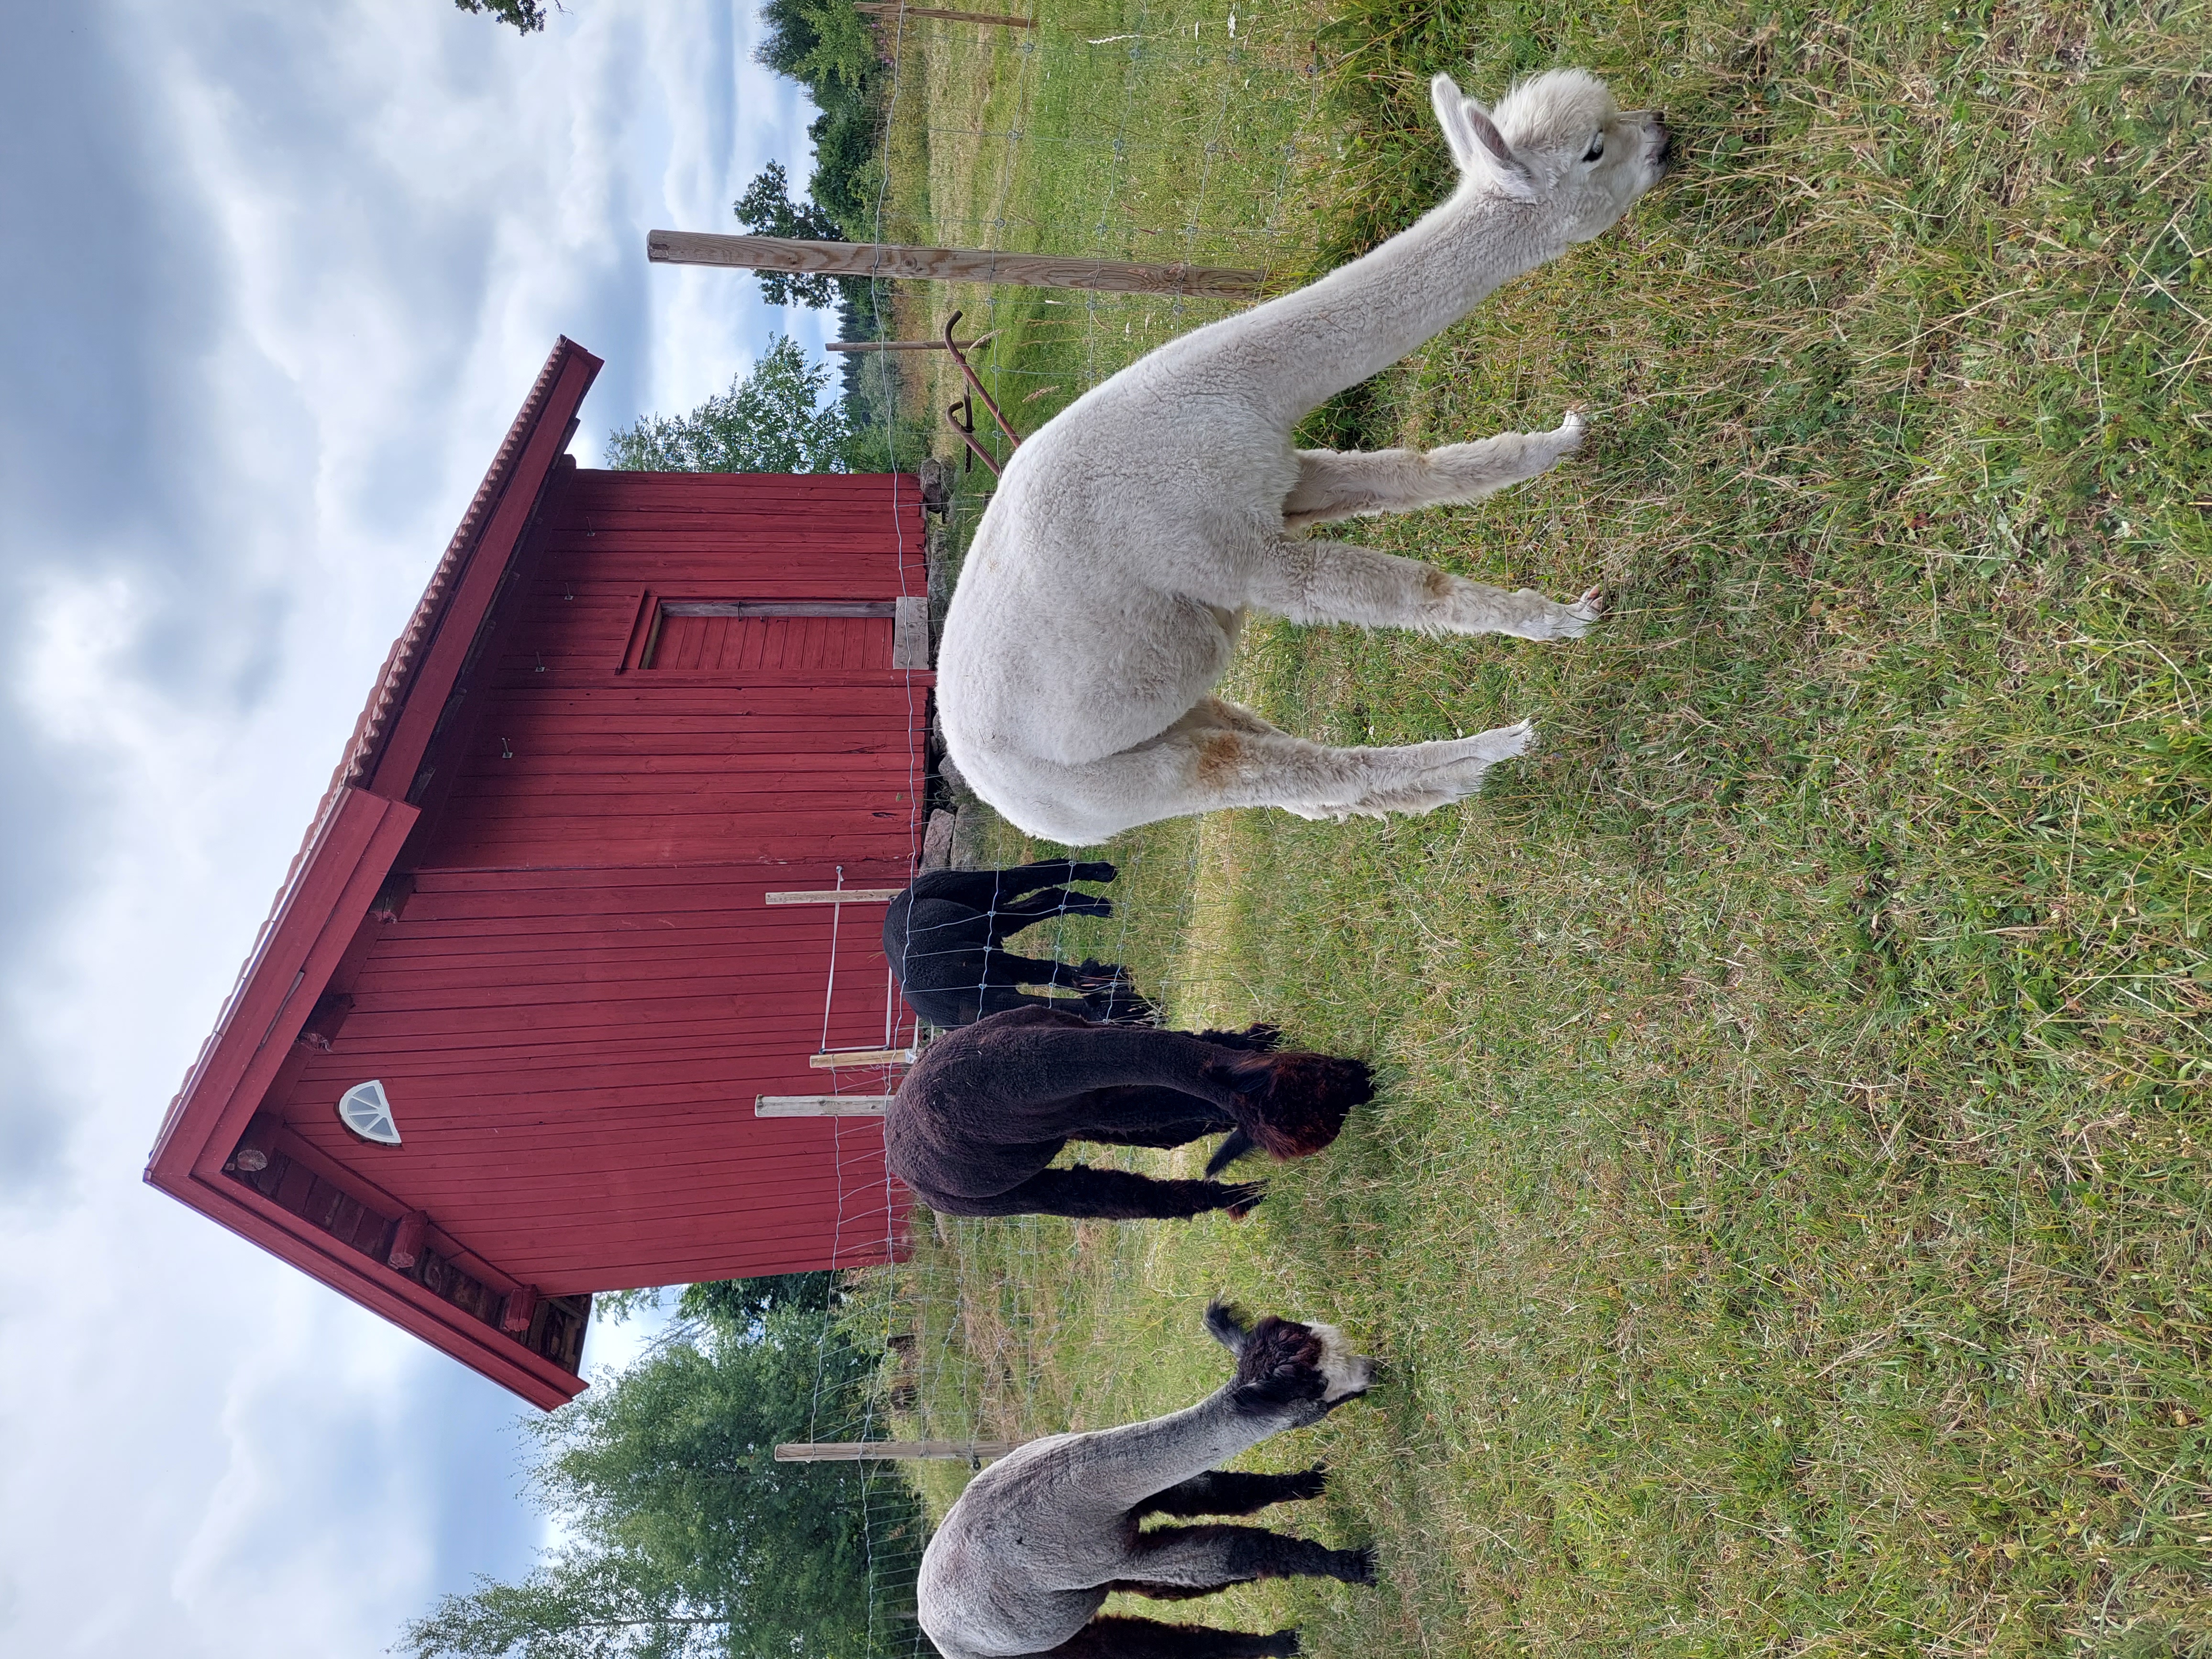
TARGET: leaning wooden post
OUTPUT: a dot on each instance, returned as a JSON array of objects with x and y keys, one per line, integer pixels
[
  {"x": 948, "y": 264},
  {"x": 891, "y": 8},
  {"x": 855, "y": 1451}
]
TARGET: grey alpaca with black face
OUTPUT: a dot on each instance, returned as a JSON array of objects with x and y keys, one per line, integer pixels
[{"x": 1026, "y": 1558}]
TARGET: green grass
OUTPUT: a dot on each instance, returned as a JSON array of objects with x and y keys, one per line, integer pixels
[
  {"x": 1786, "y": 1212},
  {"x": 1113, "y": 130}
]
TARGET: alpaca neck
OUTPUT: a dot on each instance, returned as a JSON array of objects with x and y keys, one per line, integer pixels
[
  {"x": 1304, "y": 348},
  {"x": 1131, "y": 1463}
]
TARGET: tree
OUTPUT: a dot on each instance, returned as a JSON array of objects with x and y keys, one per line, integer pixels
[
  {"x": 766, "y": 209},
  {"x": 688, "y": 1538},
  {"x": 771, "y": 420},
  {"x": 527, "y": 15},
  {"x": 736, "y": 1305}
]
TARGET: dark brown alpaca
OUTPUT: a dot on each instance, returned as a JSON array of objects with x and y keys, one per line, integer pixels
[{"x": 977, "y": 1123}]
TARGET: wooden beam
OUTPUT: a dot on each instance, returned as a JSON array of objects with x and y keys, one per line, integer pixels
[
  {"x": 830, "y": 1059},
  {"x": 820, "y": 1105},
  {"x": 890, "y": 9},
  {"x": 855, "y": 1452},
  {"x": 407, "y": 1240},
  {"x": 520, "y": 1307},
  {"x": 906, "y": 346},
  {"x": 947, "y": 264},
  {"x": 910, "y": 634},
  {"x": 873, "y": 608},
  {"x": 255, "y": 1145},
  {"x": 839, "y": 895}
]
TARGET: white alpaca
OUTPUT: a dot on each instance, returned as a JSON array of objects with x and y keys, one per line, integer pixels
[{"x": 1103, "y": 594}]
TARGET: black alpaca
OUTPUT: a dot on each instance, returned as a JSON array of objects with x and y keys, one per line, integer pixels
[
  {"x": 946, "y": 935},
  {"x": 977, "y": 1123}
]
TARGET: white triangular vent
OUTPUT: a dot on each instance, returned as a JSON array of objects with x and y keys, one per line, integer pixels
[{"x": 363, "y": 1109}]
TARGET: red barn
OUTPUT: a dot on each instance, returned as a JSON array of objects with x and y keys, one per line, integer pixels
[{"x": 500, "y": 1042}]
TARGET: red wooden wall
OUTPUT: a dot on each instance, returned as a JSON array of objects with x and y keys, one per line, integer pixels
[{"x": 586, "y": 988}]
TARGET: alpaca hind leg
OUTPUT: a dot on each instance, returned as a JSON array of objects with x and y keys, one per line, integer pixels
[
  {"x": 1326, "y": 582},
  {"x": 1082, "y": 1194},
  {"x": 1345, "y": 484},
  {"x": 1145, "y": 1116},
  {"x": 1202, "y": 770},
  {"x": 1007, "y": 969},
  {"x": 1232, "y": 1491},
  {"x": 1114, "y": 1636},
  {"x": 1010, "y": 918},
  {"x": 1211, "y": 1557}
]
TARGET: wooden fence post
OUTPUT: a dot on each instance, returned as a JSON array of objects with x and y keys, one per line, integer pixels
[
  {"x": 855, "y": 1451},
  {"x": 891, "y": 8},
  {"x": 948, "y": 264}
]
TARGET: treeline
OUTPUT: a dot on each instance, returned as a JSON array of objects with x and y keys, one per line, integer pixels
[
  {"x": 835, "y": 54},
  {"x": 684, "y": 1535}
]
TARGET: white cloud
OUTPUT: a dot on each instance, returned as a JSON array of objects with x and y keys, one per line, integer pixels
[{"x": 380, "y": 214}]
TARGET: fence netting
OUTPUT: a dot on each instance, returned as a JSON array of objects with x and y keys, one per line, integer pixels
[{"x": 1148, "y": 133}]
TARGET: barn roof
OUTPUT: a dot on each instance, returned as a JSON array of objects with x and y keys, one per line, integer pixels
[{"x": 356, "y": 834}]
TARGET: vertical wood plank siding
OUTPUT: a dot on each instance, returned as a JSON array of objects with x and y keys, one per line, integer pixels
[{"x": 586, "y": 988}]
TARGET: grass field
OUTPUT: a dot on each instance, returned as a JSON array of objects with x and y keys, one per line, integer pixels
[{"x": 1786, "y": 1212}]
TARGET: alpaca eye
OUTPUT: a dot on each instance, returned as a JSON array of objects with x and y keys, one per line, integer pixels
[{"x": 1596, "y": 149}]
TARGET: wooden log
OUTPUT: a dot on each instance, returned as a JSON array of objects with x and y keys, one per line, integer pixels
[
  {"x": 830, "y": 1059},
  {"x": 948, "y": 264},
  {"x": 855, "y": 1451},
  {"x": 839, "y": 895},
  {"x": 821, "y": 1105},
  {"x": 255, "y": 1145},
  {"x": 891, "y": 8},
  {"x": 407, "y": 1240}
]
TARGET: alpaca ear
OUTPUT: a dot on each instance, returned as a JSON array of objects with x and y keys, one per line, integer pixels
[
  {"x": 1477, "y": 145},
  {"x": 1225, "y": 1321}
]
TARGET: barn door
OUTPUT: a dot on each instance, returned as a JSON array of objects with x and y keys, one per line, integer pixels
[{"x": 738, "y": 636}]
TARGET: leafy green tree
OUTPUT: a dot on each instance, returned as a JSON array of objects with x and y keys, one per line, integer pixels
[
  {"x": 771, "y": 420},
  {"x": 527, "y": 15},
  {"x": 766, "y": 209},
  {"x": 736, "y": 1305},
  {"x": 688, "y": 1538}
]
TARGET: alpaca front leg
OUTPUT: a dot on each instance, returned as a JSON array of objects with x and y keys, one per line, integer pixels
[
  {"x": 1214, "y": 1557},
  {"x": 1114, "y": 1637},
  {"x": 1324, "y": 581},
  {"x": 1233, "y": 1491},
  {"x": 1345, "y": 484}
]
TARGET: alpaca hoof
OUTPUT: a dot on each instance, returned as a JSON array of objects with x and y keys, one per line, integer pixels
[
  {"x": 1359, "y": 1566},
  {"x": 1571, "y": 432},
  {"x": 1591, "y": 605},
  {"x": 1305, "y": 1484},
  {"x": 1277, "y": 1645},
  {"x": 1096, "y": 870},
  {"x": 1551, "y": 621},
  {"x": 1501, "y": 742},
  {"x": 1246, "y": 1199}
]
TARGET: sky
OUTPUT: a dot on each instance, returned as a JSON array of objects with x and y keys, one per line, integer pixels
[{"x": 276, "y": 278}]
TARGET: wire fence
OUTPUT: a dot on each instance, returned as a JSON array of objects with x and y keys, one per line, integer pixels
[{"x": 1143, "y": 132}]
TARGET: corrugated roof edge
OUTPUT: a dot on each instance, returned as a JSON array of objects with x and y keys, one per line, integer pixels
[{"x": 393, "y": 683}]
